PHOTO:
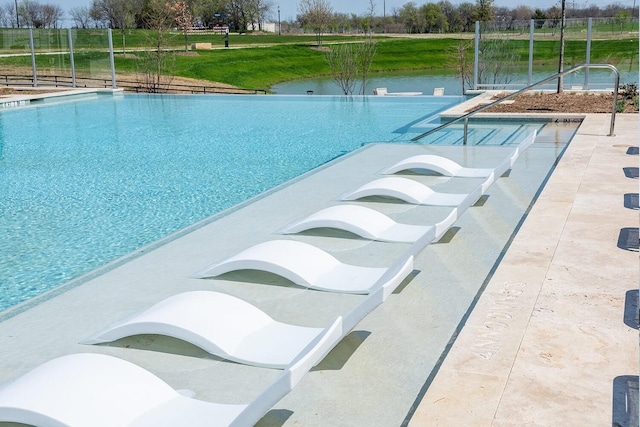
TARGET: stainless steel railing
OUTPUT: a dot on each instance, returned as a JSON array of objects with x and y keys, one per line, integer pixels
[{"x": 578, "y": 67}]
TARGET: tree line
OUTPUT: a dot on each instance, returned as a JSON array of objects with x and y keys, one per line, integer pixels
[
  {"x": 437, "y": 17},
  {"x": 313, "y": 15},
  {"x": 237, "y": 15}
]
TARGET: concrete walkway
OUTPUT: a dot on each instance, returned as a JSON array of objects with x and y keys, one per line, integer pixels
[{"x": 553, "y": 339}]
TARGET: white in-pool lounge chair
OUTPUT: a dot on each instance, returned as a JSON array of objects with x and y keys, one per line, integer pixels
[
  {"x": 231, "y": 328},
  {"x": 103, "y": 391},
  {"x": 311, "y": 267},
  {"x": 412, "y": 192},
  {"x": 371, "y": 224},
  {"x": 448, "y": 167},
  {"x": 438, "y": 164},
  {"x": 221, "y": 324}
]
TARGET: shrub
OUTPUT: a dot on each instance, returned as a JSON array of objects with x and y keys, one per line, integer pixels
[{"x": 628, "y": 91}]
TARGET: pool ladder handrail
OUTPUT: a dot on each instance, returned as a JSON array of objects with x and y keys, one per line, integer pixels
[{"x": 466, "y": 116}]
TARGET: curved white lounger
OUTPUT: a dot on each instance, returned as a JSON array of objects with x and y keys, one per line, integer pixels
[
  {"x": 363, "y": 221},
  {"x": 438, "y": 164},
  {"x": 301, "y": 263},
  {"x": 448, "y": 167},
  {"x": 407, "y": 190},
  {"x": 234, "y": 329},
  {"x": 220, "y": 324},
  {"x": 104, "y": 391}
]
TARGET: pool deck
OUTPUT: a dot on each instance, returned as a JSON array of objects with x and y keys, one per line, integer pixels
[
  {"x": 553, "y": 340},
  {"x": 547, "y": 336}
]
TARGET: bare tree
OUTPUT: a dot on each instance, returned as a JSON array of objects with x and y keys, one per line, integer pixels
[
  {"x": 12, "y": 13},
  {"x": 317, "y": 14},
  {"x": 51, "y": 15},
  {"x": 37, "y": 15},
  {"x": 155, "y": 66},
  {"x": 499, "y": 59},
  {"x": 351, "y": 61},
  {"x": 263, "y": 10},
  {"x": 117, "y": 13},
  {"x": 522, "y": 13},
  {"x": 240, "y": 14},
  {"x": 81, "y": 16},
  {"x": 344, "y": 66},
  {"x": 247, "y": 14},
  {"x": 371, "y": 11},
  {"x": 460, "y": 60},
  {"x": 365, "y": 53},
  {"x": 30, "y": 14},
  {"x": 6, "y": 16}
]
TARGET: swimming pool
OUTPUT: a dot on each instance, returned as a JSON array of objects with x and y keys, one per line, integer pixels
[{"x": 88, "y": 181}]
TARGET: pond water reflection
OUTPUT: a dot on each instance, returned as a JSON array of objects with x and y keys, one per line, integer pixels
[{"x": 425, "y": 82}]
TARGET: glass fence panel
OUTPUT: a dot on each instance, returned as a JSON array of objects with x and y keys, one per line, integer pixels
[{"x": 504, "y": 52}]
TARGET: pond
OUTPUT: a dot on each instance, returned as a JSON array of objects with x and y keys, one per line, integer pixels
[{"x": 426, "y": 81}]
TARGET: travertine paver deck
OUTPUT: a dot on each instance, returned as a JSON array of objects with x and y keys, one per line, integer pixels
[{"x": 547, "y": 344}]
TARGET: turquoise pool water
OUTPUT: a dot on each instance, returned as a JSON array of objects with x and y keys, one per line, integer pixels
[{"x": 83, "y": 183}]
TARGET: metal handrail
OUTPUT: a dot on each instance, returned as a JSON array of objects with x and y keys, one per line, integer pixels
[{"x": 465, "y": 117}]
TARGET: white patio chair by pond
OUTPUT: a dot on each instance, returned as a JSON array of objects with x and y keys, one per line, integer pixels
[{"x": 97, "y": 390}]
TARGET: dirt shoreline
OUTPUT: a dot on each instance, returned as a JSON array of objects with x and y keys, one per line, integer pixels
[{"x": 567, "y": 102}]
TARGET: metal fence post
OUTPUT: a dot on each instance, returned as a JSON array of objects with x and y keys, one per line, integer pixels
[
  {"x": 33, "y": 58},
  {"x": 588, "y": 58},
  {"x": 466, "y": 131},
  {"x": 476, "y": 57},
  {"x": 531, "y": 31},
  {"x": 111, "y": 60},
  {"x": 73, "y": 65}
]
